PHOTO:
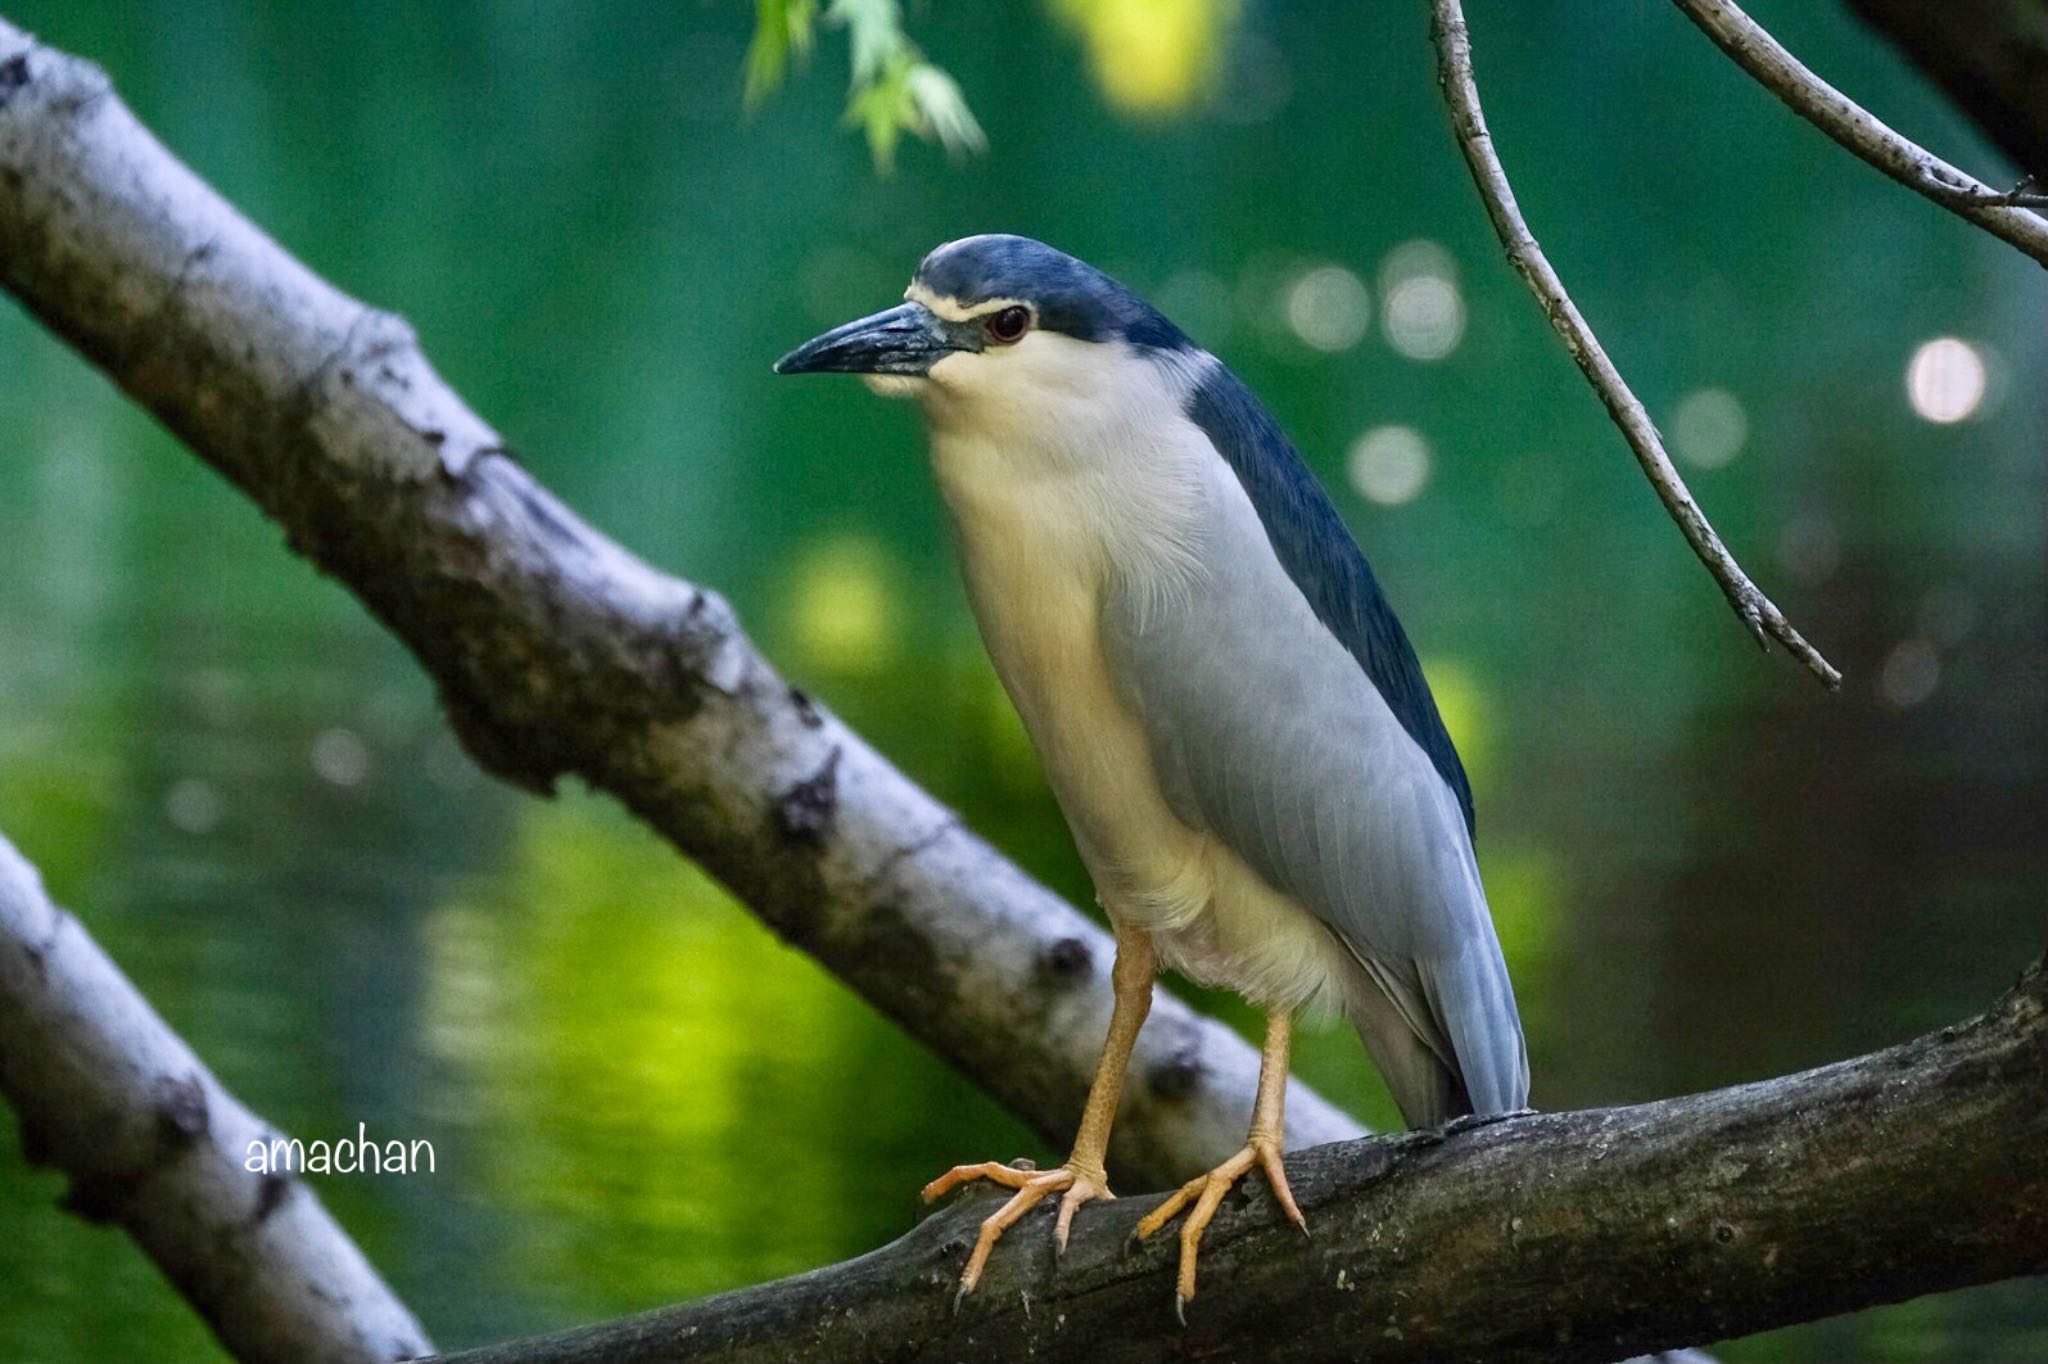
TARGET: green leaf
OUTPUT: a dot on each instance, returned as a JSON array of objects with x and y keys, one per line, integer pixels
[
  {"x": 883, "y": 110},
  {"x": 782, "y": 29},
  {"x": 942, "y": 110},
  {"x": 874, "y": 31},
  {"x": 892, "y": 89}
]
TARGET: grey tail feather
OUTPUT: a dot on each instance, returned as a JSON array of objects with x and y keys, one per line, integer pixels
[
  {"x": 1424, "y": 1087},
  {"x": 1475, "y": 1005}
]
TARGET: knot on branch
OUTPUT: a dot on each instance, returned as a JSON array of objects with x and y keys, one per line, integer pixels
[
  {"x": 13, "y": 76},
  {"x": 271, "y": 1191},
  {"x": 805, "y": 810},
  {"x": 179, "y": 1107},
  {"x": 181, "y": 1111},
  {"x": 807, "y": 712},
  {"x": 1179, "y": 1075},
  {"x": 696, "y": 652},
  {"x": 1068, "y": 961}
]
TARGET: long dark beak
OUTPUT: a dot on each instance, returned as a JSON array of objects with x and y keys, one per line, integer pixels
[{"x": 907, "y": 339}]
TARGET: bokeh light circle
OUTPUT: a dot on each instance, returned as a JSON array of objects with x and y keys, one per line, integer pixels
[
  {"x": 1946, "y": 380},
  {"x": 1328, "y": 309},
  {"x": 1389, "y": 465}
]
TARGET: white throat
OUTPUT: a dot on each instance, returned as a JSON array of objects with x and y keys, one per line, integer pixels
[{"x": 1076, "y": 455}]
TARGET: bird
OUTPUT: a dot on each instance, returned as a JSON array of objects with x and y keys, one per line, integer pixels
[{"x": 1234, "y": 725}]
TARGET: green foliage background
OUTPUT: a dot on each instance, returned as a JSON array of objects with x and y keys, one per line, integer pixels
[{"x": 1705, "y": 870}]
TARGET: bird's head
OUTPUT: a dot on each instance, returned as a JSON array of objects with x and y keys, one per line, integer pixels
[{"x": 995, "y": 327}]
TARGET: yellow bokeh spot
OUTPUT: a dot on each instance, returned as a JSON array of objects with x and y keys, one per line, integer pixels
[
  {"x": 1463, "y": 706},
  {"x": 1526, "y": 889},
  {"x": 842, "y": 615},
  {"x": 1151, "y": 56}
]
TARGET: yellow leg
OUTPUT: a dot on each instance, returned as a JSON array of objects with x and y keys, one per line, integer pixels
[
  {"x": 1083, "y": 1176},
  {"x": 1262, "y": 1148}
]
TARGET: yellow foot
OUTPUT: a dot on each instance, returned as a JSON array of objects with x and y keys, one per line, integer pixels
[
  {"x": 1032, "y": 1186},
  {"x": 1206, "y": 1193}
]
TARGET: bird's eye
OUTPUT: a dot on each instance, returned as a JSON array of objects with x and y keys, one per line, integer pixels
[{"x": 1006, "y": 326}]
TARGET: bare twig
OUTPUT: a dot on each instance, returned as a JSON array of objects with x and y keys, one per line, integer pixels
[
  {"x": 1989, "y": 56},
  {"x": 1468, "y": 122},
  {"x": 2004, "y": 216},
  {"x": 109, "y": 1094},
  {"x": 2017, "y": 197},
  {"x": 2026, "y": 194},
  {"x": 1532, "y": 1239}
]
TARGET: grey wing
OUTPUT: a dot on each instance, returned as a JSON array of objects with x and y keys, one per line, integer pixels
[{"x": 1267, "y": 733}]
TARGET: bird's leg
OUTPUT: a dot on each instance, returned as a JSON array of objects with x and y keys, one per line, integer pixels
[
  {"x": 1261, "y": 1148},
  {"x": 1083, "y": 1176}
]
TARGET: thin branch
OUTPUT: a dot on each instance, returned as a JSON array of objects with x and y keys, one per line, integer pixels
[
  {"x": 1553, "y": 1237},
  {"x": 557, "y": 653},
  {"x": 2026, "y": 194},
  {"x": 2016, "y": 197},
  {"x": 109, "y": 1094},
  {"x": 1989, "y": 56},
  {"x": 1856, "y": 130},
  {"x": 1468, "y": 122}
]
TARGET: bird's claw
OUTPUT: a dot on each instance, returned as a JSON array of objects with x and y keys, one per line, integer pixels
[
  {"x": 1075, "y": 1184},
  {"x": 1206, "y": 1193}
]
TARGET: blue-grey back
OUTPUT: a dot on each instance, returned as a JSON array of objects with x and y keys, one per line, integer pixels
[
  {"x": 1318, "y": 552},
  {"x": 1288, "y": 717},
  {"x": 1267, "y": 733}
]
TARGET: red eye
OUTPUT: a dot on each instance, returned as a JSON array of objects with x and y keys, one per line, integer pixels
[{"x": 1007, "y": 326}]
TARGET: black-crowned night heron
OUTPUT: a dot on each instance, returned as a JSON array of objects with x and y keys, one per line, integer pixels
[{"x": 1232, "y": 720}]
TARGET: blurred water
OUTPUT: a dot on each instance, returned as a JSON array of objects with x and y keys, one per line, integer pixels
[{"x": 1705, "y": 869}]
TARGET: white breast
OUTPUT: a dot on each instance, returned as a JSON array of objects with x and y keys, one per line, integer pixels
[
  {"x": 1064, "y": 479},
  {"x": 1088, "y": 480}
]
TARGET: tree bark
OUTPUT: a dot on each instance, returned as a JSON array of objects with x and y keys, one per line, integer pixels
[
  {"x": 1989, "y": 56},
  {"x": 1538, "y": 1237},
  {"x": 558, "y": 653},
  {"x": 109, "y": 1094}
]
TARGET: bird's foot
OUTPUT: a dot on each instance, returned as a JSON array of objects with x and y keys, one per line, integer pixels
[
  {"x": 1075, "y": 1182},
  {"x": 1206, "y": 1193}
]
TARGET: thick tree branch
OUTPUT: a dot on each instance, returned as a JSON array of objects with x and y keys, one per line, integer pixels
[
  {"x": 1991, "y": 56},
  {"x": 1864, "y": 136},
  {"x": 558, "y": 653},
  {"x": 1468, "y": 122},
  {"x": 109, "y": 1094},
  {"x": 1541, "y": 1237}
]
